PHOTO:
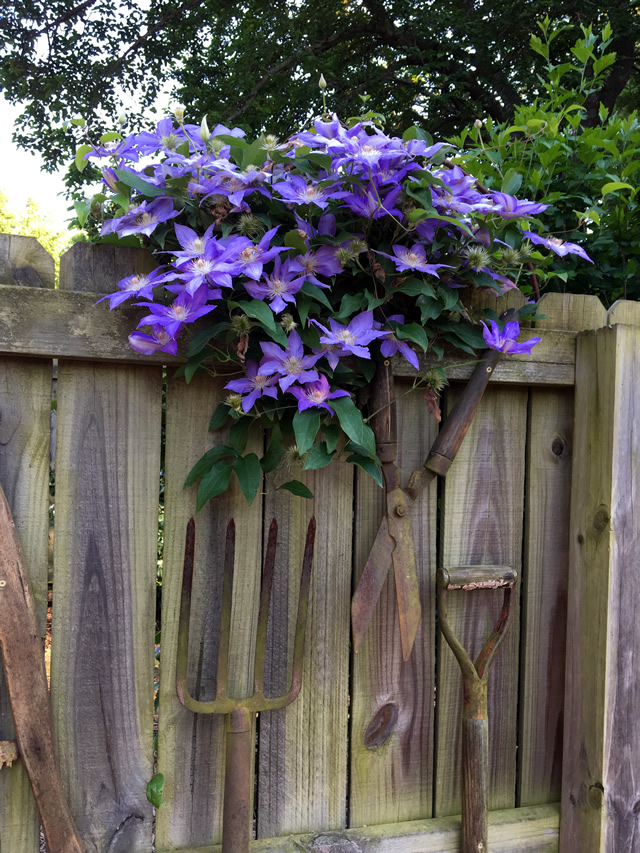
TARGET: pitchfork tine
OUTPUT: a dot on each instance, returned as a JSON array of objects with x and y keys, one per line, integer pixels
[
  {"x": 185, "y": 610},
  {"x": 263, "y": 613},
  {"x": 225, "y": 610}
]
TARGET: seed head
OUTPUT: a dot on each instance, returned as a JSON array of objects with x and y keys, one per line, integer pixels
[
  {"x": 249, "y": 226},
  {"x": 234, "y": 401},
  {"x": 288, "y": 323},
  {"x": 511, "y": 256},
  {"x": 240, "y": 324},
  {"x": 526, "y": 250},
  {"x": 477, "y": 256},
  {"x": 436, "y": 379},
  {"x": 292, "y": 459}
]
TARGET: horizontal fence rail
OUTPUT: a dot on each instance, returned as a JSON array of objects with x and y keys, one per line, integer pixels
[{"x": 368, "y": 757}]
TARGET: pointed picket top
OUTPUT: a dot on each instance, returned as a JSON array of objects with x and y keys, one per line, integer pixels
[
  {"x": 624, "y": 311},
  {"x": 571, "y": 311},
  {"x": 24, "y": 262}
]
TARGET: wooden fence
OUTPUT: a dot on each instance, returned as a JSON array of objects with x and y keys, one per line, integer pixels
[{"x": 367, "y": 758}]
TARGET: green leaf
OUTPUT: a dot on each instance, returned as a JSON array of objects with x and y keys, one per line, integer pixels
[
  {"x": 249, "y": 474},
  {"x": 351, "y": 302},
  {"x": 536, "y": 43},
  {"x": 511, "y": 182},
  {"x": 202, "y": 338},
  {"x": 603, "y": 62},
  {"x": 316, "y": 293},
  {"x": 239, "y": 434},
  {"x": 415, "y": 287},
  {"x": 317, "y": 457},
  {"x": 272, "y": 457},
  {"x": 413, "y": 332},
  {"x": 194, "y": 364},
  {"x": 352, "y": 424},
  {"x": 331, "y": 433},
  {"x": 612, "y": 186},
  {"x": 305, "y": 426},
  {"x": 110, "y": 136},
  {"x": 260, "y": 311},
  {"x": 219, "y": 417},
  {"x": 214, "y": 483},
  {"x": 81, "y": 163},
  {"x": 139, "y": 183},
  {"x": 206, "y": 462},
  {"x": 83, "y": 208},
  {"x": 367, "y": 465},
  {"x": 296, "y": 488},
  {"x": 155, "y": 786},
  {"x": 294, "y": 240}
]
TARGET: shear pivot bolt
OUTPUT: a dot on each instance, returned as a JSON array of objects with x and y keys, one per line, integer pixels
[
  {"x": 401, "y": 510},
  {"x": 3, "y": 583}
]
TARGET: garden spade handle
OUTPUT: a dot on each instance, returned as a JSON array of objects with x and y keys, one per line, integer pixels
[{"x": 26, "y": 679}]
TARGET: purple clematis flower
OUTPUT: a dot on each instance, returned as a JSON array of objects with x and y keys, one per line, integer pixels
[
  {"x": 252, "y": 258},
  {"x": 140, "y": 285},
  {"x": 143, "y": 219},
  {"x": 296, "y": 190},
  {"x": 351, "y": 339},
  {"x": 505, "y": 341},
  {"x": 279, "y": 287},
  {"x": 317, "y": 394},
  {"x": 291, "y": 364},
  {"x": 323, "y": 261},
  {"x": 414, "y": 258},
  {"x": 391, "y": 345},
  {"x": 510, "y": 207},
  {"x": 159, "y": 339},
  {"x": 560, "y": 247},
  {"x": 367, "y": 203},
  {"x": 253, "y": 385},
  {"x": 184, "y": 309}
]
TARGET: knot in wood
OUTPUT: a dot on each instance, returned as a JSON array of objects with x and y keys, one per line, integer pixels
[
  {"x": 595, "y": 796},
  {"x": 381, "y": 726},
  {"x": 557, "y": 446},
  {"x": 601, "y": 519}
]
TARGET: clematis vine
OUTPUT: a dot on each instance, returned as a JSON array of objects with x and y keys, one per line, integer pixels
[{"x": 291, "y": 267}]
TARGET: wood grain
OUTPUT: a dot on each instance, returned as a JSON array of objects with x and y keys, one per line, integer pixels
[
  {"x": 68, "y": 324},
  {"x": 107, "y": 475},
  {"x": 392, "y": 701},
  {"x": 482, "y": 517},
  {"x": 303, "y": 751},
  {"x": 601, "y": 762},
  {"x": 534, "y": 830},
  {"x": 24, "y": 262},
  {"x": 546, "y": 554},
  {"x": 191, "y": 746},
  {"x": 25, "y": 412},
  {"x": 97, "y": 268}
]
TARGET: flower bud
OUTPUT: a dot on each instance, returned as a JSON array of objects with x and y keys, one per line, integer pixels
[
  {"x": 178, "y": 112},
  {"x": 122, "y": 119},
  {"x": 111, "y": 179},
  {"x": 205, "y": 133},
  {"x": 322, "y": 83},
  {"x": 477, "y": 123}
]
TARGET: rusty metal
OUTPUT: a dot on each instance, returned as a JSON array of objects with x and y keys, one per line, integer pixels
[
  {"x": 26, "y": 680},
  {"x": 394, "y": 544},
  {"x": 236, "y": 822},
  {"x": 475, "y": 722},
  {"x": 8, "y": 753}
]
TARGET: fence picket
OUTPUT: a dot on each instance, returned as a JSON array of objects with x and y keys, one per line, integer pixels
[
  {"x": 391, "y": 777},
  {"x": 191, "y": 746},
  {"x": 482, "y": 517},
  {"x": 302, "y": 776}
]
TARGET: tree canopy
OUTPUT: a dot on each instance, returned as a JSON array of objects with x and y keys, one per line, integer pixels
[{"x": 256, "y": 65}]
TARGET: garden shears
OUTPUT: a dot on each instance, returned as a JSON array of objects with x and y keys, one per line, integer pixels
[{"x": 394, "y": 544}]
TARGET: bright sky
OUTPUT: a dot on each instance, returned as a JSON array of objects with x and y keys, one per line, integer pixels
[{"x": 21, "y": 178}]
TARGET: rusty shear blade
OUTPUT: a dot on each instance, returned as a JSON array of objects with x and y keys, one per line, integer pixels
[
  {"x": 405, "y": 570},
  {"x": 365, "y": 597}
]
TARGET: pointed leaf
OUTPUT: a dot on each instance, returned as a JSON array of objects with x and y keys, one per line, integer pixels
[
  {"x": 249, "y": 474},
  {"x": 305, "y": 426},
  {"x": 352, "y": 424},
  {"x": 214, "y": 483},
  {"x": 272, "y": 457},
  {"x": 317, "y": 457},
  {"x": 297, "y": 488}
]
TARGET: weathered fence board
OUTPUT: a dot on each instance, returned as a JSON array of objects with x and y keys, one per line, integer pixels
[
  {"x": 601, "y": 763},
  {"x": 392, "y": 702},
  {"x": 482, "y": 517},
  {"x": 107, "y": 483},
  {"x": 303, "y": 750},
  {"x": 25, "y": 418},
  {"x": 534, "y": 830},
  {"x": 191, "y": 746},
  {"x": 546, "y": 559}
]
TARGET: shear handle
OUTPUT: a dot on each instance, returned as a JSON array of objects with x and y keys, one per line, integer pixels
[
  {"x": 457, "y": 424},
  {"x": 383, "y": 422}
]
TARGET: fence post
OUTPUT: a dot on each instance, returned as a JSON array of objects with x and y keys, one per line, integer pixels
[
  {"x": 25, "y": 418},
  {"x": 601, "y": 764}
]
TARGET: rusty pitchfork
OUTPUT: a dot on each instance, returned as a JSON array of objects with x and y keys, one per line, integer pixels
[{"x": 236, "y": 818}]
